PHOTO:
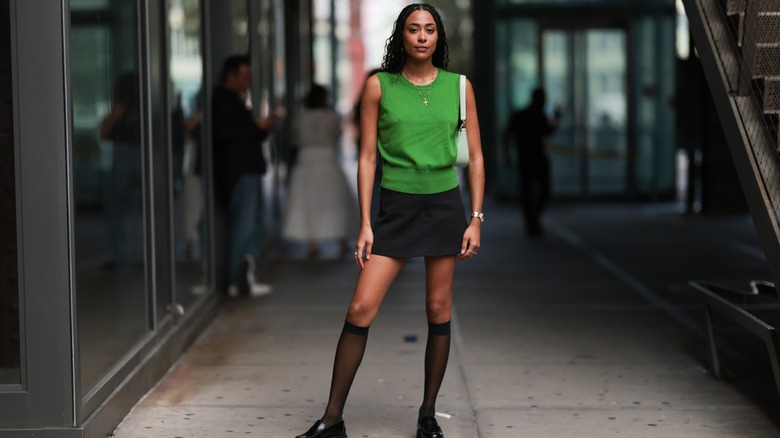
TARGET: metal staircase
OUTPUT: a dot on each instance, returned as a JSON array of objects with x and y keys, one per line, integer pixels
[{"x": 738, "y": 43}]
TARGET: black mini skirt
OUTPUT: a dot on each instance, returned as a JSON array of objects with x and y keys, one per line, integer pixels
[{"x": 411, "y": 225}]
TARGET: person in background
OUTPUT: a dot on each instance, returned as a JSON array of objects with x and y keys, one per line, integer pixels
[
  {"x": 409, "y": 116},
  {"x": 239, "y": 166},
  {"x": 320, "y": 205},
  {"x": 526, "y": 131}
]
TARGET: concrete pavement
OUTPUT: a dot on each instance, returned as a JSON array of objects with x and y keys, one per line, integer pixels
[{"x": 590, "y": 331}]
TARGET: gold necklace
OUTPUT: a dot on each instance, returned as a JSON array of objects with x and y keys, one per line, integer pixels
[{"x": 424, "y": 98}]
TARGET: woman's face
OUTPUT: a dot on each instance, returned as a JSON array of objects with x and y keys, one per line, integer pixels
[{"x": 420, "y": 35}]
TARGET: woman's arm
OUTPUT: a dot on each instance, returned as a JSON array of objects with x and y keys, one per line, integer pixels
[
  {"x": 476, "y": 176},
  {"x": 369, "y": 115}
]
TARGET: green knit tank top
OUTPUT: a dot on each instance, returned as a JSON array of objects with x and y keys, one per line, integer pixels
[{"x": 418, "y": 142}]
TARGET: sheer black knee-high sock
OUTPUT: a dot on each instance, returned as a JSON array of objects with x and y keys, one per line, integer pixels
[
  {"x": 349, "y": 354},
  {"x": 437, "y": 352}
]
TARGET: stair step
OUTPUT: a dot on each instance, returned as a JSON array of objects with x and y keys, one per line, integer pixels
[
  {"x": 764, "y": 6},
  {"x": 767, "y": 26},
  {"x": 734, "y": 7},
  {"x": 772, "y": 96},
  {"x": 766, "y": 61}
]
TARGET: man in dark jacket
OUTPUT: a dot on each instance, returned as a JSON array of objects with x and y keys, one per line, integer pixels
[
  {"x": 528, "y": 128},
  {"x": 239, "y": 166}
]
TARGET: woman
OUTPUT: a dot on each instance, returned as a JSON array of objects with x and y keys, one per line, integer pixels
[
  {"x": 321, "y": 205},
  {"x": 122, "y": 126},
  {"x": 410, "y": 114}
]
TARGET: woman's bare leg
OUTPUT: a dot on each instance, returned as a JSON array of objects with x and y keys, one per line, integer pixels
[
  {"x": 372, "y": 285},
  {"x": 439, "y": 272}
]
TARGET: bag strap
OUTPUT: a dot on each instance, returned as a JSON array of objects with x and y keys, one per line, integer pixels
[{"x": 462, "y": 100}]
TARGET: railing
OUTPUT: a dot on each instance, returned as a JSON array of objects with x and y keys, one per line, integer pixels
[
  {"x": 757, "y": 35},
  {"x": 723, "y": 299},
  {"x": 746, "y": 44},
  {"x": 739, "y": 45}
]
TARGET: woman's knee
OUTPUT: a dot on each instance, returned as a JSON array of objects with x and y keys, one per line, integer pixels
[
  {"x": 438, "y": 310},
  {"x": 361, "y": 314}
]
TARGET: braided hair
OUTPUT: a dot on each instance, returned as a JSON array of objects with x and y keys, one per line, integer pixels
[{"x": 395, "y": 55}]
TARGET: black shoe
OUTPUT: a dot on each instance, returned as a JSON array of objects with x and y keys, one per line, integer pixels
[
  {"x": 244, "y": 270},
  {"x": 427, "y": 427},
  {"x": 318, "y": 431}
]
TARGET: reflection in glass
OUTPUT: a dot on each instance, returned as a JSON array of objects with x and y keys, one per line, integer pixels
[
  {"x": 10, "y": 353},
  {"x": 517, "y": 74},
  {"x": 186, "y": 77},
  {"x": 606, "y": 73},
  {"x": 108, "y": 184},
  {"x": 563, "y": 145},
  {"x": 654, "y": 116},
  {"x": 524, "y": 62}
]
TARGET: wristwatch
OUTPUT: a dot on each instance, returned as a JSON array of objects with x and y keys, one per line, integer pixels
[{"x": 478, "y": 215}]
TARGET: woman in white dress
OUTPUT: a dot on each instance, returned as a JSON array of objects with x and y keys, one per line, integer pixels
[{"x": 320, "y": 204}]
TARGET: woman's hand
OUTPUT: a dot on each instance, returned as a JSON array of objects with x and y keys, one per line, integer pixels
[
  {"x": 364, "y": 243},
  {"x": 470, "y": 243}
]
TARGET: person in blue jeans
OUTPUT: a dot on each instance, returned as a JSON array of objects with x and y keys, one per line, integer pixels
[{"x": 239, "y": 166}]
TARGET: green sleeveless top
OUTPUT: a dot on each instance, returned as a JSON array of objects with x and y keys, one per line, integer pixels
[{"x": 418, "y": 142}]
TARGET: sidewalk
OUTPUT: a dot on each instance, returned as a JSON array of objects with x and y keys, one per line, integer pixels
[{"x": 587, "y": 332}]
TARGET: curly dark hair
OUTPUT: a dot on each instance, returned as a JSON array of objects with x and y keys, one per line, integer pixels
[{"x": 395, "y": 55}]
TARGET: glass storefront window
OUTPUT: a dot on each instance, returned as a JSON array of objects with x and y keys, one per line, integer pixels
[
  {"x": 654, "y": 66},
  {"x": 108, "y": 181},
  {"x": 10, "y": 353},
  {"x": 186, "y": 78},
  {"x": 607, "y": 105}
]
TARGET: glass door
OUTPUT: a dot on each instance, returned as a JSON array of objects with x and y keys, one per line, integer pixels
[
  {"x": 584, "y": 73},
  {"x": 108, "y": 184}
]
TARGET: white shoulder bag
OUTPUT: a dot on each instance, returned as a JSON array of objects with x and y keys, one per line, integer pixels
[{"x": 463, "y": 142}]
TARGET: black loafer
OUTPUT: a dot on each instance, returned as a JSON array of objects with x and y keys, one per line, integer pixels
[
  {"x": 427, "y": 427},
  {"x": 319, "y": 431}
]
